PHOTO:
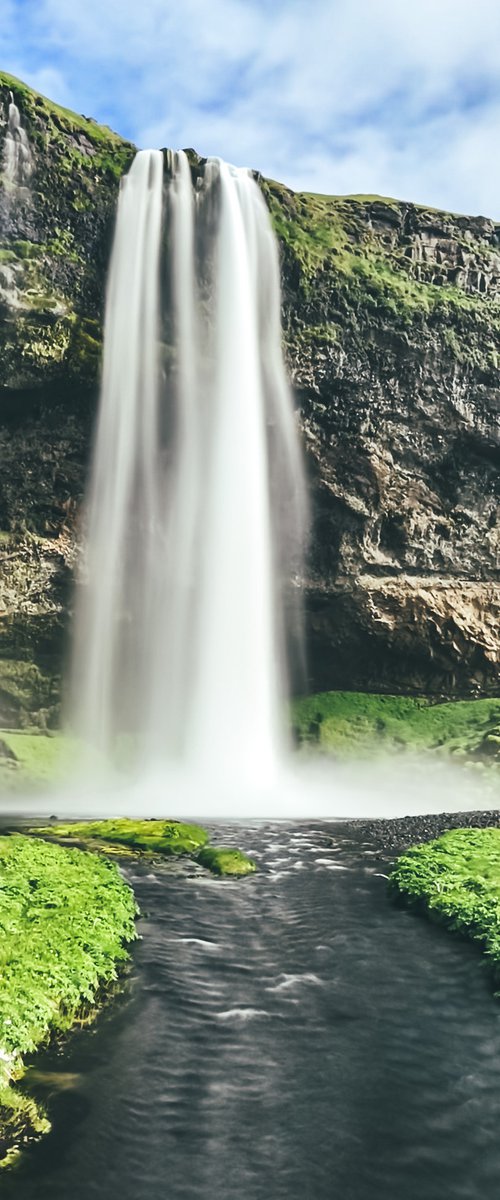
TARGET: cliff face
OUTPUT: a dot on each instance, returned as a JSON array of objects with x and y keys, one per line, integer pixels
[
  {"x": 55, "y": 237},
  {"x": 392, "y": 326},
  {"x": 393, "y": 332}
]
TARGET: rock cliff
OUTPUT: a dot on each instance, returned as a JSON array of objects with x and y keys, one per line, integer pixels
[{"x": 392, "y": 330}]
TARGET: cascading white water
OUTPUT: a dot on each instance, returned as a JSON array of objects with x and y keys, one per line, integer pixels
[
  {"x": 113, "y": 619},
  {"x": 197, "y": 492},
  {"x": 17, "y": 156}
]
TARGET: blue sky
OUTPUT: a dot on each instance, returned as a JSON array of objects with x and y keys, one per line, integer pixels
[{"x": 376, "y": 96}]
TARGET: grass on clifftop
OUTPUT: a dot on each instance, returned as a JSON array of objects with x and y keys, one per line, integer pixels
[
  {"x": 352, "y": 724},
  {"x": 111, "y": 151},
  {"x": 337, "y": 234},
  {"x": 456, "y": 879},
  {"x": 65, "y": 918}
]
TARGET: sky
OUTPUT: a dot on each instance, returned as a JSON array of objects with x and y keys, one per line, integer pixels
[{"x": 390, "y": 97}]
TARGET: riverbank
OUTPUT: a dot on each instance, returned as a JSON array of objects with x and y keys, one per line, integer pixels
[
  {"x": 455, "y": 879},
  {"x": 67, "y": 918}
]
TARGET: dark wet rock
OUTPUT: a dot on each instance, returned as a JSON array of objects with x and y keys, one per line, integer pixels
[{"x": 394, "y": 836}]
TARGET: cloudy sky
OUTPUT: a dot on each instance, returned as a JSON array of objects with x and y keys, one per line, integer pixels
[{"x": 392, "y": 97}]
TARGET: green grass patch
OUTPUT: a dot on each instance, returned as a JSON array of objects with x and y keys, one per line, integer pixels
[
  {"x": 352, "y": 724},
  {"x": 223, "y": 860},
  {"x": 66, "y": 918},
  {"x": 456, "y": 879},
  {"x": 31, "y": 760}
]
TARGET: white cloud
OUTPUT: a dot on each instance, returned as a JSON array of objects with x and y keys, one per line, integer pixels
[{"x": 328, "y": 95}]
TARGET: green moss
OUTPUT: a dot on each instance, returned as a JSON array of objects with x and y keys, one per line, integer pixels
[
  {"x": 25, "y": 689},
  {"x": 355, "y": 724},
  {"x": 456, "y": 879},
  {"x": 359, "y": 244},
  {"x": 66, "y": 917},
  {"x": 168, "y": 838},
  {"x": 313, "y": 335},
  {"x": 160, "y": 837},
  {"x": 37, "y": 759},
  {"x": 223, "y": 860},
  {"x": 84, "y": 354},
  {"x": 111, "y": 153},
  {"x": 26, "y": 249},
  {"x": 64, "y": 244}
]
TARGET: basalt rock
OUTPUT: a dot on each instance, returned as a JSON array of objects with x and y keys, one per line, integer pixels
[
  {"x": 392, "y": 321},
  {"x": 392, "y": 331}
]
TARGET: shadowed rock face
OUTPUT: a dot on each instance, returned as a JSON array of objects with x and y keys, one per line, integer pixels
[
  {"x": 392, "y": 329},
  {"x": 394, "y": 355}
]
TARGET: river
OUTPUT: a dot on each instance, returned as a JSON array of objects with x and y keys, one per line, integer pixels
[{"x": 294, "y": 1035}]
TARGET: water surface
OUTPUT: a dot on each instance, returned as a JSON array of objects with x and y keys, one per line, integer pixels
[{"x": 294, "y": 1035}]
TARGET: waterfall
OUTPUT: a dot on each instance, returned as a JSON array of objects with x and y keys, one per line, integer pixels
[
  {"x": 196, "y": 510},
  {"x": 17, "y": 156}
]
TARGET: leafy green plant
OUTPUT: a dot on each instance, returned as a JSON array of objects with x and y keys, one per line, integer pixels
[
  {"x": 456, "y": 879},
  {"x": 66, "y": 917}
]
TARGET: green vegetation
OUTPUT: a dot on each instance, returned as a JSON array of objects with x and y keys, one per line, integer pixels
[
  {"x": 350, "y": 724},
  {"x": 168, "y": 838},
  {"x": 24, "y": 687},
  {"x": 456, "y": 879},
  {"x": 345, "y": 724},
  {"x": 158, "y": 837},
  {"x": 56, "y": 279},
  {"x": 30, "y": 760},
  {"x": 360, "y": 244},
  {"x": 223, "y": 860},
  {"x": 49, "y": 122},
  {"x": 66, "y": 917}
]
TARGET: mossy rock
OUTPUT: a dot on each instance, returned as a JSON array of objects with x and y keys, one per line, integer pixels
[
  {"x": 223, "y": 860},
  {"x": 160, "y": 837}
]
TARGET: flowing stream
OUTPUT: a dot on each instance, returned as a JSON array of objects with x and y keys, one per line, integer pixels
[
  {"x": 197, "y": 503},
  {"x": 291, "y": 1037}
]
